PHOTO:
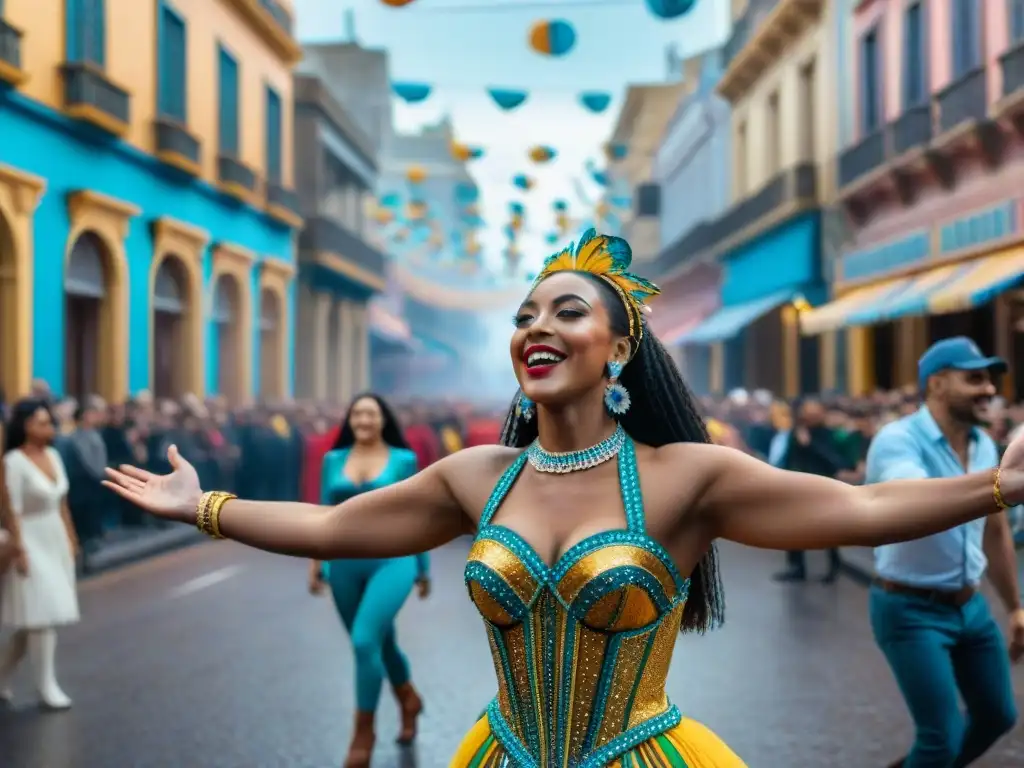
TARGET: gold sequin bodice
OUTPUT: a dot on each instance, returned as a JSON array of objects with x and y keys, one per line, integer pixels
[{"x": 581, "y": 648}]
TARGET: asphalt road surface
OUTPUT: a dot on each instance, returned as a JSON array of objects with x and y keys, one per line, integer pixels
[{"x": 216, "y": 657}]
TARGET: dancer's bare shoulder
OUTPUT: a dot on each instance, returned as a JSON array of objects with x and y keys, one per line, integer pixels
[
  {"x": 682, "y": 472},
  {"x": 472, "y": 473}
]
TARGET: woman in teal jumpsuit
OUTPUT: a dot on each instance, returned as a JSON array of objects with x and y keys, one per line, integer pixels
[{"x": 371, "y": 452}]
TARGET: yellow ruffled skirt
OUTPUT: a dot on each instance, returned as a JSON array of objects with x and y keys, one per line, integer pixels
[{"x": 688, "y": 745}]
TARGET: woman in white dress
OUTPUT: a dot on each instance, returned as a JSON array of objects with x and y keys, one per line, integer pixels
[{"x": 38, "y": 593}]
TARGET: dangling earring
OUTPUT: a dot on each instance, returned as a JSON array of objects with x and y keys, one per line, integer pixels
[
  {"x": 616, "y": 396},
  {"x": 524, "y": 407}
]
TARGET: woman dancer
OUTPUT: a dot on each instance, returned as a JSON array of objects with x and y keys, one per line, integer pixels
[
  {"x": 585, "y": 568},
  {"x": 371, "y": 453},
  {"x": 39, "y": 591}
]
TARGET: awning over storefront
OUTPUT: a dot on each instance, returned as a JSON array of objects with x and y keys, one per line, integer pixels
[
  {"x": 912, "y": 297},
  {"x": 860, "y": 301},
  {"x": 985, "y": 279},
  {"x": 729, "y": 321}
]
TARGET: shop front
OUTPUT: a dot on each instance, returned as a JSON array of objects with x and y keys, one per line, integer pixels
[
  {"x": 687, "y": 300},
  {"x": 923, "y": 289},
  {"x": 753, "y": 339}
]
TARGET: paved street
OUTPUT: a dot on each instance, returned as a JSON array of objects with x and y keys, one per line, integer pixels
[{"x": 215, "y": 657}]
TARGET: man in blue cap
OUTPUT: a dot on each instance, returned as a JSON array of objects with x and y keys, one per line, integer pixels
[{"x": 927, "y": 614}]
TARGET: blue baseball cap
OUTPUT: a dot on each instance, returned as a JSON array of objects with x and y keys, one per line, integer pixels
[{"x": 957, "y": 353}]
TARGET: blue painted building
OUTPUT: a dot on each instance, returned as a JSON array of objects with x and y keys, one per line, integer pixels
[{"x": 145, "y": 192}]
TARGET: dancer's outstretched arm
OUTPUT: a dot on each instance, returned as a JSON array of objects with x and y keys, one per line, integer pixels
[
  {"x": 753, "y": 503},
  {"x": 406, "y": 518}
]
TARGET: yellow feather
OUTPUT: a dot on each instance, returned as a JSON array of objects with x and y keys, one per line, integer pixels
[{"x": 594, "y": 257}]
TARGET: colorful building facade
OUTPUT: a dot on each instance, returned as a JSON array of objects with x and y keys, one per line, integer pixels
[
  {"x": 778, "y": 65},
  {"x": 692, "y": 170},
  {"x": 146, "y": 197},
  {"x": 931, "y": 182}
]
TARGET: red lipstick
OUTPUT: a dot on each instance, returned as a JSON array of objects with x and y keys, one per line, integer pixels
[{"x": 545, "y": 366}]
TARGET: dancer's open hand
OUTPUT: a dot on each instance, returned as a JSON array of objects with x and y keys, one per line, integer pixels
[
  {"x": 1016, "y": 635},
  {"x": 172, "y": 497},
  {"x": 423, "y": 587}
]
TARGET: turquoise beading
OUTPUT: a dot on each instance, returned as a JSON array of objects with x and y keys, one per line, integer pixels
[{"x": 575, "y": 461}]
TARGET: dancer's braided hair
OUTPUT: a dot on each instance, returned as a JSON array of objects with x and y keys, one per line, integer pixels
[{"x": 662, "y": 411}]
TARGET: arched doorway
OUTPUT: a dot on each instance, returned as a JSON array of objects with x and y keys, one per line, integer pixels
[
  {"x": 227, "y": 322},
  {"x": 169, "y": 308},
  {"x": 11, "y": 315},
  {"x": 271, "y": 362},
  {"x": 85, "y": 294}
]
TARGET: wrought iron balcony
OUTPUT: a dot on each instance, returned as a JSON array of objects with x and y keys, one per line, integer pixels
[
  {"x": 912, "y": 130},
  {"x": 964, "y": 100},
  {"x": 235, "y": 178},
  {"x": 863, "y": 157},
  {"x": 1012, "y": 63},
  {"x": 283, "y": 204},
  {"x": 324, "y": 235},
  {"x": 10, "y": 54},
  {"x": 177, "y": 147},
  {"x": 90, "y": 96}
]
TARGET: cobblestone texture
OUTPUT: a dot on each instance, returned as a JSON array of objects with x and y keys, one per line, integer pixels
[{"x": 251, "y": 672}]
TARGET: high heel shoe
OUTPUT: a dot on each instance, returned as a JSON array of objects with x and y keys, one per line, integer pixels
[
  {"x": 410, "y": 706},
  {"x": 360, "y": 751}
]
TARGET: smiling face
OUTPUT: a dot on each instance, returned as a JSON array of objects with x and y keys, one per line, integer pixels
[
  {"x": 564, "y": 338},
  {"x": 366, "y": 420}
]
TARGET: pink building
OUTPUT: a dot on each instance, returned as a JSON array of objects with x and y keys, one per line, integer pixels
[{"x": 931, "y": 185}]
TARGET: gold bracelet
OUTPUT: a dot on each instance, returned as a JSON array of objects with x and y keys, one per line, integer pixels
[
  {"x": 218, "y": 504},
  {"x": 997, "y": 491},
  {"x": 203, "y": 512}
]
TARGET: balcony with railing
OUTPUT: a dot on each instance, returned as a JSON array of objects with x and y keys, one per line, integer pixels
[
  {"x": 911, "y": 130},
  {"x": 283, "y": 204},
  {"x": 322, "y": 237},
  {"x": 177, "y": 147},
  {"x": 236, "y": 179},
  {"x": 963, "y": 101},
  {"x": 860, "y": 159},
  {"x": 10, "y": 54},
  {"x": 90, "y": 96}
]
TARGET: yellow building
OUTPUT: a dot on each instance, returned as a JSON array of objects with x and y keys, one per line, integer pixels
[
  {"x": 777, "y": 66},
  {"x": 146, "y": 197}
]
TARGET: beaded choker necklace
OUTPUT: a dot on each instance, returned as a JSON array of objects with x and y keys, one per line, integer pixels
[{"x": 576, "y": 461}]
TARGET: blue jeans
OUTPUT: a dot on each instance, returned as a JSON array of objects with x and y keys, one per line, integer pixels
[
  {"x": 937, "y": 654},
  {"x": 368, "y": 595}
]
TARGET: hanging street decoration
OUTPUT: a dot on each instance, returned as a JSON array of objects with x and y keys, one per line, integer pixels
[
  {"x": 397, "y": 3},
  {"x": 411, "y": 93},
  {"x": 615, "y": 152},
  {"x": 416, "y": 174},
  {"x": 596, "y": 101},
  {"x": 507, "y": 98},
  {"x": 542, "y": 154},
  {"x": 523, "y": 182},
  {"x": 552, "y": 38},
  {"x": 464, "y": 152},
  {"x": 670, "y": 9}
]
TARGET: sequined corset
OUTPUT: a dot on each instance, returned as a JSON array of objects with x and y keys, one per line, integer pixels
[{"x": 582, "y": 648}]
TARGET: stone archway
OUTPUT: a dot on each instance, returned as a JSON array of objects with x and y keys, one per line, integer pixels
[
  {"x": 271, "y": 335},
  {"x": 228, "y": 333},
  {"x": 87, "y": 316},
  {"x": 171, "y": 306}
]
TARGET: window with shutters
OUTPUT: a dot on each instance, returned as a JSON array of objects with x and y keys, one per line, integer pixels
[
  {"x": 273, "y": 136},
  {"x": 228, "y": 104},
  {"x": 1015, "y": 15},
  {"x": 915, "y": 56},
  {"x": 870, "y": 82},
  {"x": 172, "y": 77},
  {"x": 86, "y": 31},
  {"x": 965, "y": 18}
]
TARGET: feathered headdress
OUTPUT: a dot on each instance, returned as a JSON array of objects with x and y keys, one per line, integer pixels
[{"x": 608, "y": 258}]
